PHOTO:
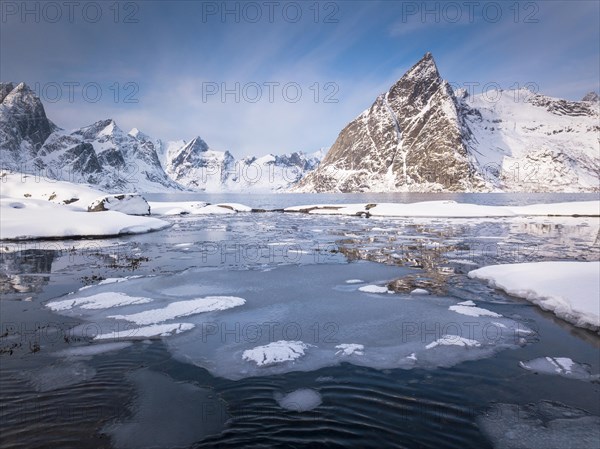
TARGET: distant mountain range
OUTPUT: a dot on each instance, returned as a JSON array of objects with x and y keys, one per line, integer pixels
[
  {"x": 103, "y": 155},
  {"x": 422, "y": 136},
  {"x": 419, "y": 136}
]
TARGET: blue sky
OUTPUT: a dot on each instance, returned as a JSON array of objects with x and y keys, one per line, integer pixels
[{"x": 171, "y": 57}]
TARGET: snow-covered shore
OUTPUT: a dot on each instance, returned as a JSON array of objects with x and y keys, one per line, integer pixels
[
  {"x": 452, "y": 209},
  {"x": 571, "y": 290}
]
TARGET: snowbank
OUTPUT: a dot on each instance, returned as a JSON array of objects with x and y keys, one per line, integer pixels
[
  {"x": 128, "y": 203},
  {"x": 24, "y": 219},
  {"x": 195, "y": 208},
  {"x": 24, "y": 186},
  {"x": 451, "y": 209},
  {"x": 569, "y": 289}
]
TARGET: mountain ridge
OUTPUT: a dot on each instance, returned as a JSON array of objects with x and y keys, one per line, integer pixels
[{"x": 421, "y": 136}]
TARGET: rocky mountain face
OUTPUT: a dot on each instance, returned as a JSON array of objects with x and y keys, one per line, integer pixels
[
  {"x": 422, "y": 136},
  {"x": 103, "y": 155}
]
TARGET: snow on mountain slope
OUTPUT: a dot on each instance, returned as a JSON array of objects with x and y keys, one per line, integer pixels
[
  {"x": 100, "y": 154},
  {"x": 528, "y": 142}
]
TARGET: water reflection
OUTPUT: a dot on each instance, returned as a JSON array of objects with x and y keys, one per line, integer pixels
[{"x": 20, "y": 270}]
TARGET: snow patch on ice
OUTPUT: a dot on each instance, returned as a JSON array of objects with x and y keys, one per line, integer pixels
[
  {"x": 276, "y": 352},
  {"x": 561, "y": 366},
  {"x": 104, "y": 300},
  {"x": 180, "y": 309},
  {"x": 453, "y": 340},
  {"x": 156, "y": 330}
]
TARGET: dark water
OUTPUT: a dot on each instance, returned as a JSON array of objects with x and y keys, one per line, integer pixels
[{"x": 361, "y": 407}]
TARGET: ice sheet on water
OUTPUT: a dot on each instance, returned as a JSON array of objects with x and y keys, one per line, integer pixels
[
  {"x": 545, "y": 425},
  {"x": 472, "y": 310},
  {"x": 301, "y": 400},
  {"x": 559, "y": 366},
  {"x": 168, "y": 414},
  {"x": 302, "y": 304}
]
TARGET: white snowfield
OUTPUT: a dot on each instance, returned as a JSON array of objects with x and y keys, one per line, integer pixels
[
  {"x": 452, "y": 209},
  {"x": 25, "y": 219},
  {"x": 195, "y": 208},
  {"x": 569, "y": 289},
  {"x": 23, "y": 186}
]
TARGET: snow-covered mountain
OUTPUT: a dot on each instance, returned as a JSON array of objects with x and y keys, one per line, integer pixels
[
  {"x": 422, "y": 136},
  {"x": 198, "y": 167},
  {"x": 100, "y": 154},
  {"x": 103, "y": 155}
]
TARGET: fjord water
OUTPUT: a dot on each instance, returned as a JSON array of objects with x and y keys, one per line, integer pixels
[{"x": 57, "y": 389}]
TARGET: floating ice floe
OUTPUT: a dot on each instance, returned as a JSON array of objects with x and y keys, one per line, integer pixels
[
  {"x": 569, "y": 289},
  {"x": 559, "y": 366},
  {"x": 301, "y": 400},
  {"x": 374, "y": 289},
  {"x": 348, "y": 349},
  {"x": 276, "y": 352},
  {"x": 468, "y": 308},
  {"x": 278, "y": 322},
  {"x": 354, "y": 281}
]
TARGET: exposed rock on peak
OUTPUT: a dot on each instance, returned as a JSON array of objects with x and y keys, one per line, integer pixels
[
  {"x": 411, "y": 138},
  {"x": 591, "y": 97}
]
